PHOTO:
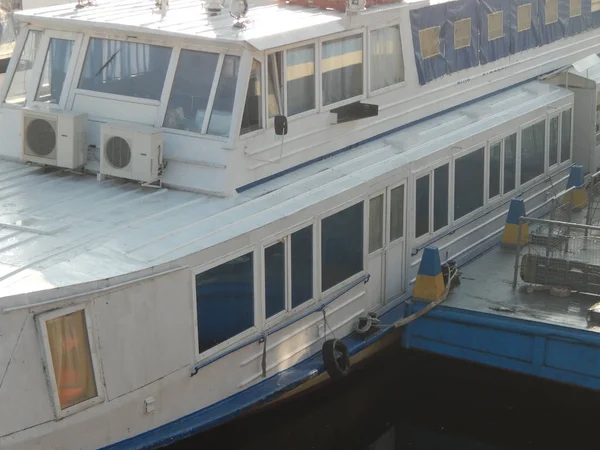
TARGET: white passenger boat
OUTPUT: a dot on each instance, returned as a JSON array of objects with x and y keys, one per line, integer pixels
[{"x": 199, "y": 201}]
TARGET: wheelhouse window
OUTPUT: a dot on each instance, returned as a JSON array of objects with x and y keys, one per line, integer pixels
[
  {"x": 72, "y": 365},
  {"x": 432, "y": 216},
  {"x": 342, "y": 69},
  {"x": 387, "y": 62},
  {"x": 341, "y": 246},
  {"x": 188, "y": 101},
  {"x": 225, "y": 301},
  {"x": 17, "y": 91},
  {"x": 565, "y": 146},
  {"x": 532, "y": 151},
  {"x": 252, "y": 117},
  {"x": 468, "y": 183},
  {"x": 375, "y": 223},
  {"x": 553, "y": 142},
  {"x": 54, "y": 71},
  {"x": 125, "y": 68},
  {"x": 222, "y": 107}
]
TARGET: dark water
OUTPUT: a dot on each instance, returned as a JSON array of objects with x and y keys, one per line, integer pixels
[{"x": 412, "y": 400}]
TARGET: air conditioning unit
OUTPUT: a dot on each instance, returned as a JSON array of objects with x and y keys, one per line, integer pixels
[
  {"x": 55, "y": 138},
  {"x": 131, "y": 152}
]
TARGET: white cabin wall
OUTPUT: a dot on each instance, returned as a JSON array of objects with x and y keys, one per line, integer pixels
[
  {"x": 11, "y": 125},
  {"x": 24, "y": 397},
  {"x": 584, "y": 127}
]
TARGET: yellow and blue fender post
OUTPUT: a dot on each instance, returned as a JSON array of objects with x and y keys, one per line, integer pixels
[
  {"x": 578, "y": 196},
  {"x": 430, "y": 281},
  {"x": 511, "y": 227}
]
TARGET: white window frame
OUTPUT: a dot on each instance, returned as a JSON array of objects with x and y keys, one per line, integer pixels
[
  {"x": 12, "y": 67},
  {"x": 560, "y": 112},
  {"x": 385, "y": 217},
  {"x": 77, "y": 39},
  {"x": 519, "y": 151},
  {"x": 41, "y": 320},
  {"x": 370, "y": 56},
  {"x": 258, "y": 312},
  {"x": 356, "y": 32},
  {"x": 501, "y": 139},
  {"x": 365, "y": 243},
  {"x": 283, "y": 75},
  {"x": 430, "y": 170},
  {"x": 471, "y": 149},
  {"x": 263, "y": 100},
  {"x": 286, "y": 238},
  {"x": 547, "y": 165}
]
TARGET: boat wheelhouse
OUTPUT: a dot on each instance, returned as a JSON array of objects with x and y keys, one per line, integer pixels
[{"x": 196, "y": 275}]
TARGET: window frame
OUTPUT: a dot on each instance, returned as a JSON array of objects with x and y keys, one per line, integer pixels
[
  {"x": 455, "y": 157},
  {"x": 384, "y": 219},
  {"x": 286, "y": 237},
  {"x": 264, "y": 90},
  {"x": 356, "y": 32},
  {"x": 258, "y": 313},
  {"x": 548, "y": 167},
  {"x": 77, "y": 39},
  {"x": 560, "y": 112},
  {"x": 41, "y": 320},
  {"x": 538, "y": 178},
  {"x": 283, "y": 50},
  {"x": 416, "y": 175},
  {"x": 391, "y": 87},
  {"x": 501, "y": 138},
  {"x": 330, "y": 212}
]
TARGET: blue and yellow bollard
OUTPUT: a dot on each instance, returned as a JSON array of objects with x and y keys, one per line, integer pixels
[
  {"x": 511, "y": 227},
  {"x": 430, "y": 281},
  {"x": 577, "y": 196}
]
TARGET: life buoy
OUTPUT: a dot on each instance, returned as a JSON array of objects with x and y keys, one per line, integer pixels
[{"x": 336, "y": 358}]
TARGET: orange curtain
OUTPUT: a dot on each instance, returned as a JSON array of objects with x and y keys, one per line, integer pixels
[{"x": 70, "y": 350}]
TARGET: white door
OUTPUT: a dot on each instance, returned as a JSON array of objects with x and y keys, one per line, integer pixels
[
  {"x": 376, "y": 220},
  {"x": 394, "y": 245}
]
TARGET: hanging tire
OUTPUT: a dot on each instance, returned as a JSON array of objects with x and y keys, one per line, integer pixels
[{"x": 336, "y": 358}]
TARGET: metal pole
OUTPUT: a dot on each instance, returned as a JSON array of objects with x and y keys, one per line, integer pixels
[
  {"x": 516, "y": 274},
  {"x": 580, "y": 226},
  {"x": 569, "y": 218},
  {"x": 550, "y": 227}
]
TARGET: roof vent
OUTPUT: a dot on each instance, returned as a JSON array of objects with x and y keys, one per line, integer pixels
[{"x": 213, "y": 7}]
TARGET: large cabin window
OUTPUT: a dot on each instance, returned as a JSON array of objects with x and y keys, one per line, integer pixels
[
  {"x": 532, "y": 151},
  {"x": 510, "y": 163},
  {"x": 468, "y": 183},
  {"x": 553, "y": 142},
  {"x": 188, "y": 101},
  {"x": 54, "y": 71},
  {"x": 125, "y": 68},
  {"x": 302, "y": 266},
  {"x": 222, "y": 107},
  {"x": 252, "y": 117},
  {"x": 342, "y": 69},
  {"x": 396, "y": 213},
  {"x": 565, "y": 147},
  {"x": 432, "y": 216},
  {"x": 225, "y": 301},
  {"x": 68, "y": 345},
  {"x": 502, "y": 166},
  {"x": 422, "y": 206},
  {"x": 17, "y": 91},
  {"x": 341, "y": 246},
  {"x": 375, "y": 223},
  {"x": 275, "y": 279},
  {"x": 387, "y": 62},
  {"x": 495, "y": 169}
]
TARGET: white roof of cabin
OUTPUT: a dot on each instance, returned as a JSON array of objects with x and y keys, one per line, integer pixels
[
  {"x": 58, "y": 229},
  {"x": 268, "y": 25}
]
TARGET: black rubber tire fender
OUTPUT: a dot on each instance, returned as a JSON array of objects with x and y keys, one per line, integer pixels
[{"x": 336, "y": 358}]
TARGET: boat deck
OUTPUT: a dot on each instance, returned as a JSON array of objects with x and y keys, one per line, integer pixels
[{"x": 525, "y": 329}]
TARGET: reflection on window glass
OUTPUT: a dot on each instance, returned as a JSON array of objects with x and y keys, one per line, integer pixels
[
  {"x": 510, "y": 162},
  {"x": 300, "y": 67},
  {"x": 565, "y": 141},
  {"x": 342, "y": 68},
  {"x": 468, "y": 183},
  {"x": 396, "y": 213},
  {"x": 440, "y": 197},
  {"x": 275, "y": 80},
  {"x": 532, "y": 151},
  {"x": 341, "y": 246},
  {"x": 219, "y": 291},
  {"x": 252, "y": 117},
  {"x": 387, "y": 64},
  {"x": 220, "y": 118},
  {"x": 54, "y": 71},
  {"x": 17, "y": 91},
  {"x": 495, "y": 161},
  {"x": 422, "y": 206},
  {"x": 375, "y": 223},
  {"x": 191, "y": 89},
  {"x": 274, "y": 279},
  {"x": 125, "y": 68},
  {"x": 71, "y": 358},
  {"x": 302, "y": 266},
  {"x": 553, "y": 156}
]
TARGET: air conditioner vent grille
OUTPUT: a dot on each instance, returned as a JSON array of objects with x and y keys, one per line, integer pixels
[
  {"x": 41, "y": 137},
  {"x": 118, "y": 152}
]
